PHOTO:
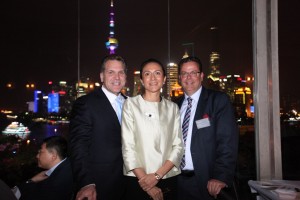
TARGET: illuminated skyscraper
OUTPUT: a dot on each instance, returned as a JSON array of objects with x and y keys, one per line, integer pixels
[
  {"x": 214, "y": 57},
  {"x": 172, "y": 77},
  {"x": 214, "y": 62},
  {"x": 137, "y": 87},
  {"x": 112, "y": 42}
]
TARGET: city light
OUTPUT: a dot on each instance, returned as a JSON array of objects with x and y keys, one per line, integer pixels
[{"x": 29, "y": 85}]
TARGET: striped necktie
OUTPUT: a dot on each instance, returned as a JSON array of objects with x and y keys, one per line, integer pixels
[{"x": 185, "y": 126}]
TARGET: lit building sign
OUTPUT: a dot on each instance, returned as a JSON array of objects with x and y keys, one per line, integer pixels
[
  {"x": 36, "y": 100},
  {"x": 53, "y": 102}
]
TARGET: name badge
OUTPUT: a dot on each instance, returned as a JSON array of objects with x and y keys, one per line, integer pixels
[{"x": 202, "y": 123}]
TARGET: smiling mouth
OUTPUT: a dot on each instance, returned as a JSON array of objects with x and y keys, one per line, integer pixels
[{"x": 116, "y": 83}]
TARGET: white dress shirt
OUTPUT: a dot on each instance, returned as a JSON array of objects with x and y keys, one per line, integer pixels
[
  {"x": 112, "y": 98},
  {"x": 188, "y": 158}
]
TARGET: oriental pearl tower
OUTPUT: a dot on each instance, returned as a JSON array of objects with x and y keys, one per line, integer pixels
[{"x": 112, "y": 42}]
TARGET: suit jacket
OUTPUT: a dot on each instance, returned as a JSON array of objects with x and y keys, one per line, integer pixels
[
  {"x": 95, "y": 145},
  {"x": 214, "y": 148},
  {"x": 5, "y": 192},
  {"x": 57, "y": 186}
]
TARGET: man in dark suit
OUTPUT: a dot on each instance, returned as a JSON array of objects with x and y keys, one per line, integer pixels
[
  {"x": 54, "y": 183},
  {"x": 210, "y": 136},
  {"x": 95, "y": 135}
]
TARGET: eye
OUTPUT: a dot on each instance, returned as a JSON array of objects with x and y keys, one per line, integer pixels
[
  {"x": 146, "y": 74},
  {"x": 157, "y": 73},
  {"x": 122, "y": 73},
  {"x": 110, "y": 72}
]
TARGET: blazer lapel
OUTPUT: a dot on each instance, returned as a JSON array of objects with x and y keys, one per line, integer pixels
[
  {"x": 103, "y": 101},
  {"x": 202, "y": 104}
]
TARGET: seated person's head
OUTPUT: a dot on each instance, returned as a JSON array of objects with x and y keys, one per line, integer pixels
[{"x": 53, "y": 150}]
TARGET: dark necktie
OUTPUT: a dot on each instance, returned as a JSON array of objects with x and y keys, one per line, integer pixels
[{"x": 185, "y": 126}]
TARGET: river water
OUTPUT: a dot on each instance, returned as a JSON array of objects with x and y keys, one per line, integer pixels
[{"x": 39, "y": 131}]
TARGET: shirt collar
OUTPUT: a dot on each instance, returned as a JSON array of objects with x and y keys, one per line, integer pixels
[
  {"x": 111, "y": 96},
  {"x": 194, "y": 96},
  {"x": 49, "y": 172}
]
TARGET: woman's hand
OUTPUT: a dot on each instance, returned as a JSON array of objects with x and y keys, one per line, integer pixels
[
  {"x": 148, "y": 181},
  {"x": 155, "y": 193}
]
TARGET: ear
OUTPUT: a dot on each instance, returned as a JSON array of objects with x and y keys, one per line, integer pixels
[
  {"x": 202, "y": 76},
  {"x": 165, "y": 80},
  {"x": 101, "y": 77},
  {"x": 179, "y": 79},
  {"x": 54, "y": 155}
]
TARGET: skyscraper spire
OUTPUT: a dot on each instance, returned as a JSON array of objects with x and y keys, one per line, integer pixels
[{"x": 112, "y": 42}]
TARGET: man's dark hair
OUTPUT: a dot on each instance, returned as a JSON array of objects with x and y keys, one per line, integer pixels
[
  {"x": 151, "y": 60},
  {"x": 57, "y": 143},
  {"x": 190, "y": 59},
  {"x": 112, "y": 57}
]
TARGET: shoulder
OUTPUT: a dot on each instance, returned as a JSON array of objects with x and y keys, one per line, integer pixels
[
  {"x": 170, "y": 104},
  {"x": 90, "y": 97},
  {"x": 214, "y": 94},
  {"x": 178, "y": 100},
  {"x": 133, "y": 100}
]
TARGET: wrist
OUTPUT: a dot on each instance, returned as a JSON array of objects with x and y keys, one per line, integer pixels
[
  {"x": 29, "y": 181},
  {"x": 157, "y": 176}
]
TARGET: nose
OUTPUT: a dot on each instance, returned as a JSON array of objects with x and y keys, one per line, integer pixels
[
  {"x": 117, "y": 76},
  {"x": 152, "y": 77}
]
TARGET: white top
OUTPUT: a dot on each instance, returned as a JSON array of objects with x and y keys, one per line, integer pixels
[{"x": 151, "y": 134}]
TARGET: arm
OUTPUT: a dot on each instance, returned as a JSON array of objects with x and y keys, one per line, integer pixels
[
  {"x": 80, "y": 131},
  {"x": 129, "y": 151},
  {"x": 227, "y": 143},
  {"x": 176, "y": 151},
  {"x": 148, "y": 181},
  {"x": 39, "y": 177}
]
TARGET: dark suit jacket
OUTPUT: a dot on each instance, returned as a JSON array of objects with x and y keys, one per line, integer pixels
[
  {"x": 57, "y": 186},
  {"x": 214, "y": 148},
  {"x": 5, "y": 192},
  {"x": 95, "y": 144}
]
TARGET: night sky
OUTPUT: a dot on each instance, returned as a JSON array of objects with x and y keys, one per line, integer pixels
[{"x": 39, "y": 39}]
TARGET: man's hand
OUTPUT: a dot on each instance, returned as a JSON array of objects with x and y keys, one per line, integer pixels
[
  {"x": 155, "y": 193},
  {"x": 214, "y": 187},
  {"x": 40, "y": 176},
  {"x": 148, "y": 181},
  {"x": 87, "y": 192}
]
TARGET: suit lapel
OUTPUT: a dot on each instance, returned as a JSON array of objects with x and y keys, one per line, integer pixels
[
  {"x": 202, "y": 104},
  {"x": 104, "y": 101}
]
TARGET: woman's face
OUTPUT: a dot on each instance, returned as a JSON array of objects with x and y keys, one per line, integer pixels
[{"x": 153, "y": 77}]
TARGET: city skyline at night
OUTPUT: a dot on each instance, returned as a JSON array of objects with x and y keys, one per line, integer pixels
[{"x": 40, "y": 38}]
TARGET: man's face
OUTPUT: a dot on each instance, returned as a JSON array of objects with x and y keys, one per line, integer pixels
[
  {"x": 114, "y": 76},
  {"x": 45, "y": 158},
  {"x": 190, "y": 77}
]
